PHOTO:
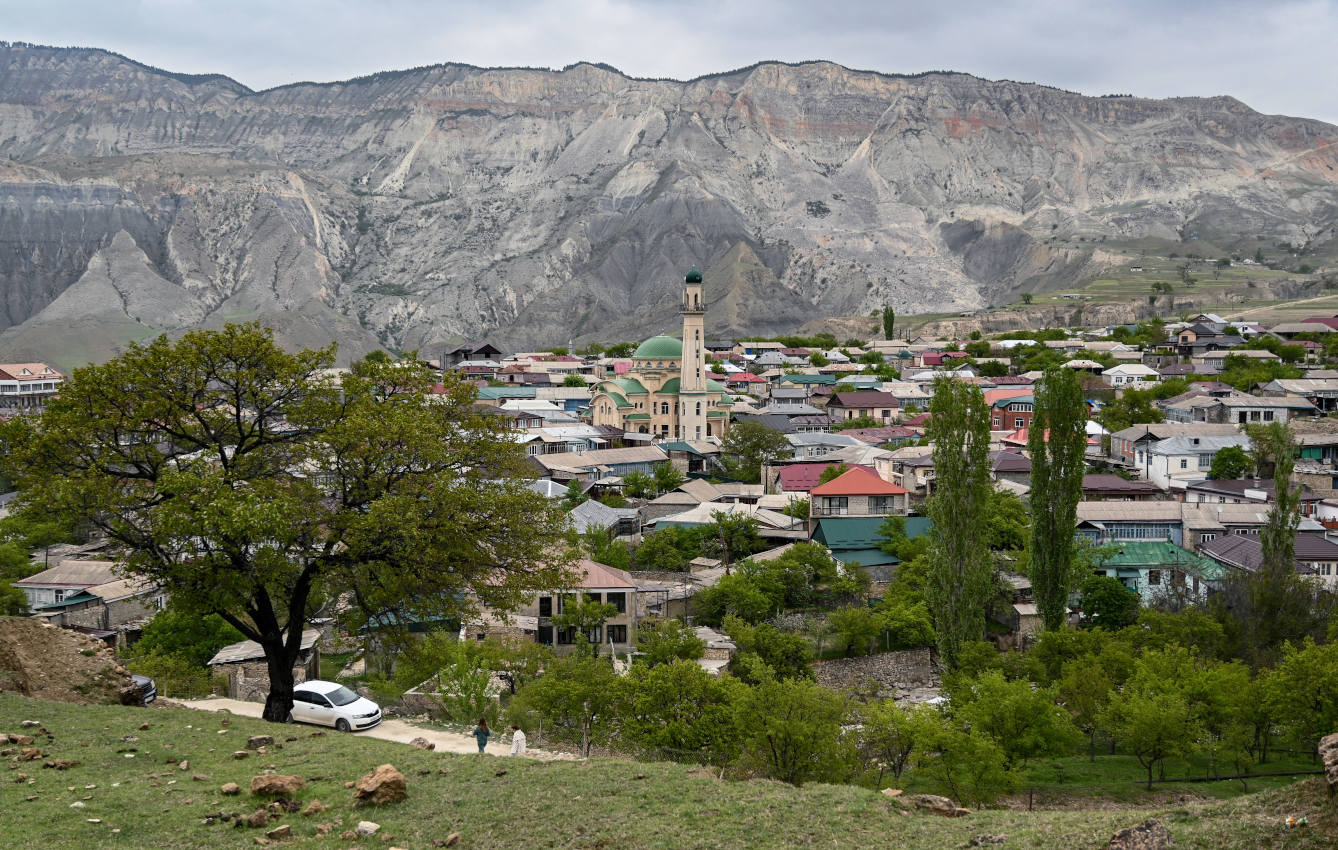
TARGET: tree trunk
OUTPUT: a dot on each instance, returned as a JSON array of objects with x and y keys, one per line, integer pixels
[{"x": 279, "y": 702}]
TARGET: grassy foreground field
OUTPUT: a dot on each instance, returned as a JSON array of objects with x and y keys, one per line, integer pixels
[{"x": 144, "y": 801}]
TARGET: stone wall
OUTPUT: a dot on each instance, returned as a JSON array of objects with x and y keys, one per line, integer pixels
[{"x": 893, "y": 673}]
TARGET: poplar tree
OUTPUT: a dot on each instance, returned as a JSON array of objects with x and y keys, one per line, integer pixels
[
  {"x": 960, "y": 571},
  {"x": 1057, "y": 443},
  {"x": 889, "y": 323}
]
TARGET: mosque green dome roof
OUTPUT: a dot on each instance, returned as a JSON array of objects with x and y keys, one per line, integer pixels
[{"x": 659, "y": 347}]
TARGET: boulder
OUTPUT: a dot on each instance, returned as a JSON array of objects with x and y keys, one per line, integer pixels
[
  {"x": 257, "y": 819},
  {"x": 1148, "y": 835},
  {"x": 30, "y": 754},
  {"x": 366, "y": 827},
  {"x": 21, "y": 740},
  {"x": 1328, "y": 756},
  {"x": 941, "y": 806},
  {"x": 383, "y": 785},
  {"x": 255, "y": 742},
  {"x": 280, "y": 832},
  {"x": 277, "y": 785},
  {"x": 983, "y": 840},
  {"x": 420, "y": 743},
  {"x": 313, "y": 808},
  {"x": 230, "y": 788},
  {"x": 30, "y": 724},
  {"x": 241, "y": 754}
]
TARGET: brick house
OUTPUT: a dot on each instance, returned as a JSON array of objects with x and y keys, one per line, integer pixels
[{"x": 858, "y": 492}]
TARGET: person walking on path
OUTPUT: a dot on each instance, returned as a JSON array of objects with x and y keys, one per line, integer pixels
[
  {"x": 517, "y": 741},
  {"x": 481, "y": 733}
]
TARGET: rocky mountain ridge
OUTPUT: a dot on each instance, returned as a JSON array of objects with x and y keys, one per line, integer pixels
[{"x": 416, "y": 208}]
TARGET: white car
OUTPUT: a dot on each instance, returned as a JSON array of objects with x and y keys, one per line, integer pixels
[{"x": 332, "y": 704}]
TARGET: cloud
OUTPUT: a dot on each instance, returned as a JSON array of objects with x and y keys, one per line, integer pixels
[{"x": 1275, "y": 56}]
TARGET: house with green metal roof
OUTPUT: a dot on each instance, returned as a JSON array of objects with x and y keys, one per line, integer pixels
[
  {"x": 1154, "y": 569},
  {"x": 856, "y": 539}
]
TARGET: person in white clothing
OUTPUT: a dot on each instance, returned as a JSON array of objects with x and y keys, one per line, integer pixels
[{"x": 517, "y": 741}]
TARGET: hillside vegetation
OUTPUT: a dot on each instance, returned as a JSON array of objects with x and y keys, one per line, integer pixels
[{"x": 154, "y": 787}]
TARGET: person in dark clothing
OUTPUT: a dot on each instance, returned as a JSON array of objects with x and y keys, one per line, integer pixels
[{"x": 481, "y": 733}]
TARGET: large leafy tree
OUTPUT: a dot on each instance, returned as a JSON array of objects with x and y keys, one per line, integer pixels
[
  {"x": 255, "y": 485},
  {"x": 1057, "y": 443},
  {"x": 749, "y": 446},
  {"x": 959, "y": 581}
]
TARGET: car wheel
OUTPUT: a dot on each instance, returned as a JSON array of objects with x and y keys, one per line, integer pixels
[
  {"x": 289, "y": 718},
  {"x": 342, "y": 725}
]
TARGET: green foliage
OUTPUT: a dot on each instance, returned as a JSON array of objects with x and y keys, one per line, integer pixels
[
  {"x": 835, "y": 470},
  {"x": 889, "y": 323},
  {"x": 1230, "y": 462},
  {"x": 1023, "y": 720},
  {"x": 960, "y": 566},
  {"x": 664, "y": 550},
  {"x": 639, "y": 485},
  {"x": 186, "y": 635},
  {"x": 667, "y": 477},
  {"x": 1085, "y": 690},
  {"x": 177, "y": 677},
  {"x": 730, "y": 537},
  {"x": 797, "y": 508},
  {"x": 678, "y": 710},
  {"x": 791, "y": 731},
  {"x": 964, "y": 764},
  {"x": 583, "y": 615},
  {"x": 577, "y": 698},
  {"x": 855, "y": 629},
  {"x": 1107, "y": 604},
  {"x": 1304, "y": 690},
  {"x": 906, "y": 624},
  {"x": 574, "y": 380},
  {"x": 890, "y": 734},
  {"x": 739, "y": 595},
  {"x": 575, "y": 495},
  {"x": 1006, "y": 521},
  {"x": 1057, "y": 443},
  {"x": 454, "y": 674},
  {"x": 857, "y": 422},
  {"x": 12, "y": 600},
  {"x": 765, "y": 652},
  {"x": 817, "y": 358},
  {"x": 198, "y": 455},
  {"x": 749, "y": 446},
  {"x": 604, "y": 547},
  {"x": 1244, "y": 372},
  {"x": 1151, "y": 726},
  {"x": 666, "y": 641}
]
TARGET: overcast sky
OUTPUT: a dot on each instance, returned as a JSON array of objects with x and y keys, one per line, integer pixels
[{"x": 1276, "y": 55}]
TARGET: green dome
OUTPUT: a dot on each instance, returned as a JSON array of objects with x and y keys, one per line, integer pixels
[
  {"x": 694, "y": 275},
  {"x": 659, "y": 348}
]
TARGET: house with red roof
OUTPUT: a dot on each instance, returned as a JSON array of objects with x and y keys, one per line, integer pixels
[
  {"x": 800, "y": 478},
  {"x": 598, "y": 583},
  {"x": 859, "y": 492},
  {"x": 28, "y": 384}
]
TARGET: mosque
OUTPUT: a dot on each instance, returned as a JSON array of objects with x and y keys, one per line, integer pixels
[{"x": 666, "y": 391}]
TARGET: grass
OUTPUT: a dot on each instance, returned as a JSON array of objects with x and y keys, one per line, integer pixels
[{"x": 592, "y": 804}]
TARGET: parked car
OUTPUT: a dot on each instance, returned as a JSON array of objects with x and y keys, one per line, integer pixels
[
  {"x": 332, "y": 704},
  {"x": 148, "y": 689}
]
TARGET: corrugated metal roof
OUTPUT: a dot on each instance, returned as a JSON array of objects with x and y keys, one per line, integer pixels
[{"x": 249, "y": 650}]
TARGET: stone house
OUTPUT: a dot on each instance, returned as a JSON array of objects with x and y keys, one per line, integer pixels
[
  {"x": 858, "y": 492},
  {"x": 600, "y": 583},
  {"x": 112, "y": 609},
  {"x": 244, "y": 666}
]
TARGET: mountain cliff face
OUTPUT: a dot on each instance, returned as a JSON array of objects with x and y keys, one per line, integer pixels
[{"x": 416, "y": 208}]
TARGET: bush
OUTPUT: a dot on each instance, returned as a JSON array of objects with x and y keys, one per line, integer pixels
[{"x": 177, "y": 677}]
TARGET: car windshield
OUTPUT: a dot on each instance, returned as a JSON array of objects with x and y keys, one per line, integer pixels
[{"x": 341, "y": 696}]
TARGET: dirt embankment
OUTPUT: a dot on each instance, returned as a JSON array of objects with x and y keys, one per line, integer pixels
[{"x": 42, "y": 661}]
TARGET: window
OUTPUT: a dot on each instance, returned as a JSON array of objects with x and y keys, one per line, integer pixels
[
  {"x": 617, "y": 600},
  {"x": 881, "y": 504},
  {"x": 592, "y": 635},
  {"x": 301, "y": 696},
  {"x": 664, "y": 408},
  {"x": 1208, "y": 536},
  {"x": 1154, "y": 578},
  {"x": 617, "y": 634},
  {"x": 835, "y": 505},
  {"x": 1184, "y": 463},
  {"x": 1205, "y": 460},
  {"x": 594, "y": 597},
  {"x": 1254, "y": 416},
  {"x": 1268, "y": 416},
  {"x": 566, "y": 636},
  {"x": 545, "y": 606},
  {"x": 545, "y": 635}
]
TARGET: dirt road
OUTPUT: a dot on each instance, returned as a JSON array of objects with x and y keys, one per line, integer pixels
[{"x": 391, "y": 730}]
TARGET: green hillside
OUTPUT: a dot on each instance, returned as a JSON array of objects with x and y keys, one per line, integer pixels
[{"x": 143, "y": 800}]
